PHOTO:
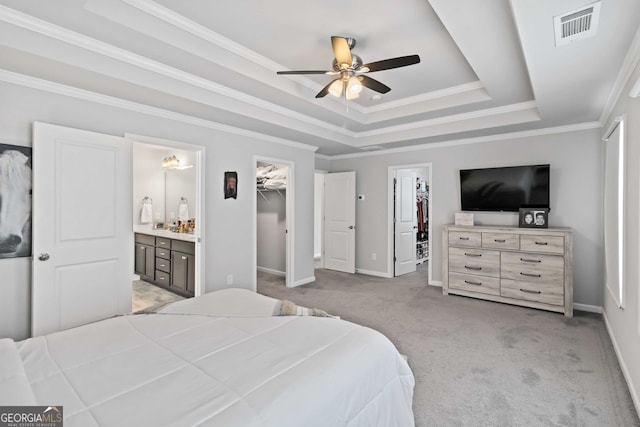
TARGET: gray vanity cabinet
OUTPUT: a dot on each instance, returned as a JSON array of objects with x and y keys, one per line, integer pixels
[
  {"x": 183, "y": 266},
  {"x": 145, "y": 254},
  {"x": 168, "y": 263}
]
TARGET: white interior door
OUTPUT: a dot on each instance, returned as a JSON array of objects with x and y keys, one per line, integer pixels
[
  {"x": 340, "y": 221},
  {"x": 406, "y": 222},
  {"x": 82, "y": 227}
]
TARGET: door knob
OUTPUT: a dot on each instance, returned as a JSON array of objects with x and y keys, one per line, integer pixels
[
  {"x": 43, "y": 257},
  {"x": 351, "y": 227}
]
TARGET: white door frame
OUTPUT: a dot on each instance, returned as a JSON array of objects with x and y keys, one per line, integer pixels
[
  {"x": 322, "y": 172},
  {"x": 200, "y": 288},
  {"x": 289, "y": 220},
  {"x": 390, "y": 213}
]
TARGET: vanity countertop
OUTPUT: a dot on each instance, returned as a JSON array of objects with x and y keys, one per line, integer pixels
[{"x": 146, "y": 229}]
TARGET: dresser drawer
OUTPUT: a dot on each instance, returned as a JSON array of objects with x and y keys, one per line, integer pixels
[
  {"x": 548, "y": 244},
  {"x": 474, "y": 261},
  {"x": 531, "y": 267},
  {"x": 163, "y": 278},
  {"x": 465, "y": 238},
  {"x": 163, "y": 253},
  {"x": 547, "y": 293},
  {"x": 474, "y": 283},
  {"x": 163, "y": 265},
  {"x": 500, "y": 241}
]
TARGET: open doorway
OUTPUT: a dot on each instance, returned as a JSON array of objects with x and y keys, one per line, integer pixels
[
  {"x": 274, "y": 216},
  {"x": 168, "y": 222},
  {"x": 409, "y": 228}
]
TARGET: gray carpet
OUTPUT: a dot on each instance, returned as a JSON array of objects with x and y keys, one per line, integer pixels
[
  {"x": 147, "y": 296},
  {"x": 479, "y": 363}
]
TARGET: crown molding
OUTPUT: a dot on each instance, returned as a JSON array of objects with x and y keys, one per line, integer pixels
[
  {"x": 73, "y": 38},
  {"x": 85, "y": 95},
  {"x": 475, "y": 140},
  {"x": 631, "y": 60},
  {"x": 450, "y": 119},
  {"x": 323, "y": 156},
  {"x": 443, "y": 93}
]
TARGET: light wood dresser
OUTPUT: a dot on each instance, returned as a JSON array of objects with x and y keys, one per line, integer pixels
[{"x": 522, "y": 266}]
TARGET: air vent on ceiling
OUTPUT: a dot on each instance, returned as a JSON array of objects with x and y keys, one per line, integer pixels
[{"x": 577, "y": 24}]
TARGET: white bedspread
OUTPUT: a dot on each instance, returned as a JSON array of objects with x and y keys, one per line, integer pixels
[{"x": 229, "y": 364}]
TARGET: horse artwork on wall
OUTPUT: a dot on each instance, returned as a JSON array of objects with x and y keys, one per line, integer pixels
[{"x": 15, "y": 201}]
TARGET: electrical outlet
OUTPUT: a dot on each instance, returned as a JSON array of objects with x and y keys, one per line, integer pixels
[
  {"x": 373, "y": 256},
  {"x": 229, "y": 279}
]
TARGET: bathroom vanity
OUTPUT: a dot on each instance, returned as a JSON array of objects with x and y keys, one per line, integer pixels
[{"x": 166, "y": 259}]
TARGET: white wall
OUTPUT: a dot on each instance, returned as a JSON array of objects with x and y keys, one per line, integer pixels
[
  {"x": 272, "y": 238},
  {"x": 624, "y": 325},
  {"x": 229, "y": 235},
  {"x": 576, "y": 196}
]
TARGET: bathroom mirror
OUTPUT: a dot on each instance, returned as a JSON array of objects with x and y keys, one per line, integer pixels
[{"x": 164, "y": 186}]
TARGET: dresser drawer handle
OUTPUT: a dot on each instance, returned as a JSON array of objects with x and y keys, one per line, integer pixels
[
  {"x": 162, "y": 253},
  {"x": 473, "y": 283},
  {"x": 530, "y": 292},
  {"x": 530, "y": 260},
  {"x": 473, "y": 268},
  {"x": 163, "y": 243},
  {"x": 162, "y": 265},
  {"x": 184, "y": 257},
  {"x": 142, "y": 248},
  {"x": 499, "y": 240},
  {"x": 542, "y": 243},
  {"x": 472, "y": 254},
  {"x": 463, "y": 238},
  {"x": 162, "y": 278},
  {"x": 530, "y": 275}
]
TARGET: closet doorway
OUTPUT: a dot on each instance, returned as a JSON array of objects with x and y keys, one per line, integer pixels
[
  {"x": 274, "y": 217},
  {"x": 409, "y": 220}
]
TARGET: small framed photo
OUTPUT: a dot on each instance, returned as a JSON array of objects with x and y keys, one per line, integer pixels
[
  {"x": 534, "y": 217},
  {"x": 463, "y": 218}
]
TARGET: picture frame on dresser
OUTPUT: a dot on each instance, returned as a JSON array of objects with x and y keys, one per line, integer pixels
[{"x": 532, "y": 217}]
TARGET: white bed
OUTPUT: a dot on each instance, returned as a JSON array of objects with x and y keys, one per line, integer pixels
[{"x": 220, "y": 360}]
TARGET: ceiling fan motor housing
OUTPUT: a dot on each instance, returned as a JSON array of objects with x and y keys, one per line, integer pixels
[{"x": 356, "y": 62}]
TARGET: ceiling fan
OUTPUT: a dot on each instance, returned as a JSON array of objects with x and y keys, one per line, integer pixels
[{"x": 352, "y": 72}]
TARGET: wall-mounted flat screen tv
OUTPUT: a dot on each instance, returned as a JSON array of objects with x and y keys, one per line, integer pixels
[{"x": 504, "y": 189}]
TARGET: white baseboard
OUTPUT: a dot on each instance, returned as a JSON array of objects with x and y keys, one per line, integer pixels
[
  {"x": 303, "y": 281},
  {"x": 373, "y": 273},
  {"x": 587, "y": 307},
  {"x": 437, "y": 283},
  {"x": 623, "y": 366},
  {"x": 271, "y": 271}
]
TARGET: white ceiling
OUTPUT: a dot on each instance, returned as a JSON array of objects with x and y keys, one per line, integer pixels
[{"x": 487, "y": 68}]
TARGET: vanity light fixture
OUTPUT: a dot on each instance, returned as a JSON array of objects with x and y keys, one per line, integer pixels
[{"x": 170, "y": 163}]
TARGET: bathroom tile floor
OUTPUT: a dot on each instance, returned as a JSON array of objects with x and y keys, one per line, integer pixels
[{"x": 146, "y": 295}]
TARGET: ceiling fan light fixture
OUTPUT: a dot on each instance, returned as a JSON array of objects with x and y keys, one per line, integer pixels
[
  {"x": 336, "y": 88},
  {"x": 354, "y": 87}
]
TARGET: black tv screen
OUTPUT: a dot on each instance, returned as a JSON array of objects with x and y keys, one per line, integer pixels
[{"x": 504, "y": 189}]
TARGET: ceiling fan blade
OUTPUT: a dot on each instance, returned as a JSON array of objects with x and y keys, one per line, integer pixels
[
  {"x": 374, "y": 84},
  {"x": 387, "y": 64},
  {"x": 325, "y": 90},
  {"x": 341, "y": 50},
  {"x": 304, "y": 72}
]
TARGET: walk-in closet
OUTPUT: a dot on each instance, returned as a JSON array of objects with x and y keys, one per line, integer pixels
[{"x": 271, "y": 187}]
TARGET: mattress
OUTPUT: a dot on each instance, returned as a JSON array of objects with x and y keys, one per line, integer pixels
[{"x": 222, "y": 359}]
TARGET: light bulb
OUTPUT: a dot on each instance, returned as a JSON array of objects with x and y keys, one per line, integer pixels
[
  {"x": 335, "y": 88},
  {"x": 354, "y": 87}
]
